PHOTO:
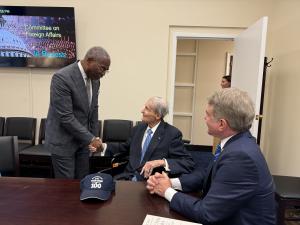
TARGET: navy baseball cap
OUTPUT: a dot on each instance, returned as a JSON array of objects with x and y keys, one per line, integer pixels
[{"x": 96, "y": 186}]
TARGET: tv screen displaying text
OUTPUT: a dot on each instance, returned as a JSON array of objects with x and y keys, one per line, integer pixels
[{"x": 37, "y": 36}]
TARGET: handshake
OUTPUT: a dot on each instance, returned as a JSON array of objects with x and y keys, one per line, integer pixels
[{"x": 96, "y": 145}]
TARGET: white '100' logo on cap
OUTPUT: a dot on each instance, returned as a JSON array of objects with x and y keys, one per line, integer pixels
[{"x": 96, "y": 182}]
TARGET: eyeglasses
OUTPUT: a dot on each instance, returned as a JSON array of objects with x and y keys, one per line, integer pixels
[{"x": 101, "y": 68}]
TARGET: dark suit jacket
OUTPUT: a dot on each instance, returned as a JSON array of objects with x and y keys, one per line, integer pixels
[
  {"x": 238, "y": 188},
  {"x": 166, "y": 143},
  {"x": 71, "y": 123}
]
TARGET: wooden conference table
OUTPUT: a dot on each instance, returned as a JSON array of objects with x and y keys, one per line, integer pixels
[{"x": 37, "y": 201}]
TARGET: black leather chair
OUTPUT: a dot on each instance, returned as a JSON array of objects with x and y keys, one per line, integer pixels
[
  {"x": 2, "y": 121},
  {"x": 138, "y": 122},
  {"x": 114, "y": 130},
  {"x": 36, "y": 160},
  {"x": 186, "y": 141},
  {"x": 116, "y": 165},
  {"x": 202, "y": 155},
  {"x": 9, "y": 156},
  {"x": 23, "y": 128}
]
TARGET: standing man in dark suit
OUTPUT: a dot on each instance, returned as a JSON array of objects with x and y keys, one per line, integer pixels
[
  {"x": 238, "y": 188},
  {"x": 72, "y": 122},
  {"x": 165, "y": 147}
]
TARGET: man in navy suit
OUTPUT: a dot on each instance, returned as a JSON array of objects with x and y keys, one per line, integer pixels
[
  {"x": 72, "y": 122},
  {"x": 165, "y": 149},
  {"x": 237, "y": 188}
]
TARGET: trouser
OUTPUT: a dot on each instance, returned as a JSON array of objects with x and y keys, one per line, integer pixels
[{"x": 75, "y": 166}]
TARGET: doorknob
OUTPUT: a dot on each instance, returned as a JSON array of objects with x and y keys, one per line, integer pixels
[{"x": 258, "y": 117}]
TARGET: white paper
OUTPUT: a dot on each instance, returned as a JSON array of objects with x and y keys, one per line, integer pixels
[{"x": 158, "y": 220}]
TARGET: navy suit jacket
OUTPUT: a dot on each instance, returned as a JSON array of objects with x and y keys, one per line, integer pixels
[
  {"x": 237, "y": 189},
  {"x": 166, "y": 143},
  {"x": 71, "y": 122}
]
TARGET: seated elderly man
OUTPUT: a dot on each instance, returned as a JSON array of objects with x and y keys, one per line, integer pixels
[{"x": 152, "y": 143}]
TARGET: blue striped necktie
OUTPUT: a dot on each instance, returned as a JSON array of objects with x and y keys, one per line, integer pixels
[
  {"x": 217, "y": 152},
  {"x": 146, "y": 144}
]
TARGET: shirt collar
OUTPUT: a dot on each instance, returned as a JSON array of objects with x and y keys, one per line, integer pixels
[
  {"x": 83, "y": 74},
  {"x": 224, "y": 141},
  {"x": 153, "y": 128}
]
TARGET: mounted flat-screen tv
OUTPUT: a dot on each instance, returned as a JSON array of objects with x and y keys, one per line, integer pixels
[{"x": 37, "y": 36}]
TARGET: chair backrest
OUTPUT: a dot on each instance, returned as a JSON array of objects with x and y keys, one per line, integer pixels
[
  {"x": 100, "y": 129},
  {"x": 2, "y": 121},
  {"x": 9, "y": 156},
  {"x": 202, "y": 155},
  {"x": 186, "y": 141},
  {"x": 116, "y": 130},
  {"x": 138, "y": 122},
  {"x": 42, "y": 131},
  {"x": 22, "y": 127}
]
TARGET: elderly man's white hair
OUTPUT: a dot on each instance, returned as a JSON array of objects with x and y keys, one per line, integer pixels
[{"x": 160, "y": 106}]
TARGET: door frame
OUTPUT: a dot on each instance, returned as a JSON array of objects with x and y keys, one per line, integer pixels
[{"x": 197, "y": 33}]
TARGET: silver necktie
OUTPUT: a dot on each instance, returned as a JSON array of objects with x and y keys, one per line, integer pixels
[{"x": 88, "y": 90}]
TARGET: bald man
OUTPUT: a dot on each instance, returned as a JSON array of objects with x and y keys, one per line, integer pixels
[{"x": 72, "y": 121}]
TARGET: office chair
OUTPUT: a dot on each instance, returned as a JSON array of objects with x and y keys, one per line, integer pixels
[
  {"x": 2, "y": 121},
  {"x": 186, "y": 141},
  {"x": 9, "y": 156},
  {"x": 116, "y": 164},
  {"x": 138, "y": 122},
  {"x": 23, "y": 128},
  {"x": 202, "y": 155},
  {"x": 37, "y": 158},
  {"x": 114, "y": 131}
]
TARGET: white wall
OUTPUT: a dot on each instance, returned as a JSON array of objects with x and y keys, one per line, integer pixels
[
  {"x": 136, "y": 34},
  {"x": 281, "y": 131},
  {"x": 211, "y": 68}
]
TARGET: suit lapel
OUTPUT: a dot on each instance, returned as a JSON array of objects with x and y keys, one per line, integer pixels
[
  {"x": 95, "y": 88},
  {"x": 207, "y": 181},
  {"x": 79, "y": 82},
  {"x": 137, "y": 146},
  {"x": 211, "y": 170}
]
